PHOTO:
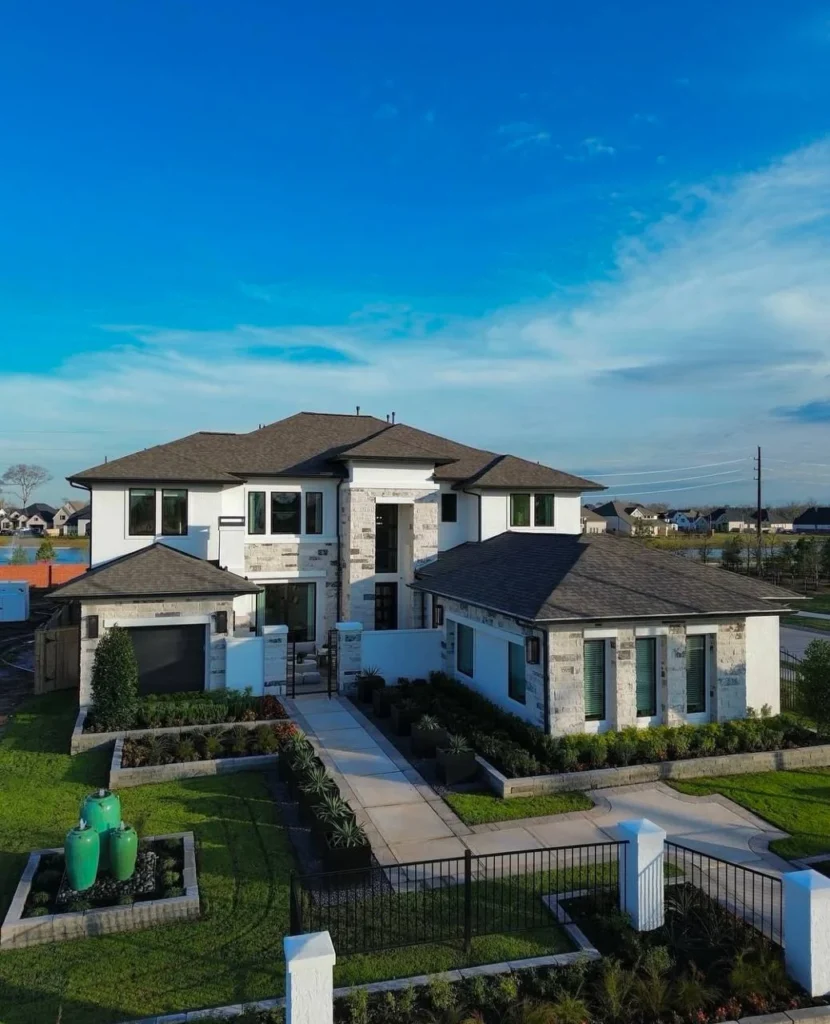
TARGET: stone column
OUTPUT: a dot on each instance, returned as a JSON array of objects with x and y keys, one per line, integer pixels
[
  {"x": 676, "y": 675},
  {"x": 625, "y": 684},
  {"x": 567, "y": 677},
  {"x": 349, "y": 655},
  {"x": 309, "y": 985},
  {"x": 806, "y": 927},
  {"x": 641, "y": 873},
  {"x": 730, "y": 682},
  {"x": 275, "y": 658}
]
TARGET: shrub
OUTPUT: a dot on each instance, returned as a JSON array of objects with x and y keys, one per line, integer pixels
[
  {"x": 265, "y": 740},
  {"x": 212, "y": 746},
  {"x": 622, "y": 747},
  {"x": 593, "y": 751},
  {"x": 171, "y": 878},
  {"x": 185, "y": 750},
  {"x": 115, "y": 680},
  {"x": 39, "y": 898},
  {"x": 813, "y": 692}
]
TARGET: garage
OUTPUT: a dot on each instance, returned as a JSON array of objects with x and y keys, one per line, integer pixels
[{"x": 171, "y": 659}]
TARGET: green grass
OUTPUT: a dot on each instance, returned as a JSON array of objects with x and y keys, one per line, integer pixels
[
  {"x": 818, "y": 603},
  {"x": 479, "y": 808},
  {"x": 797, "y": 802},
  {"x": 233, "y": 954},
  {"x": 59, "y": 542},
  {"x": 802, "y": 622}
]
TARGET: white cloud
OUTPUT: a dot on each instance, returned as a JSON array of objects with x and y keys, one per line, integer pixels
[
  {"x": 596, "y": 147},
  {"x": 519, "y": 134}
]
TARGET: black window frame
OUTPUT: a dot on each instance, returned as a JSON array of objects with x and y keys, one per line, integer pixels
[
  {"x": 386, "y": 605},
  {"x": 602, "y": 645},
  {"x": 705, "y": 645},
  {"x": 521, "y": 494},
  {"x": 146, "y": 492},
  {"x": 516, "y": 651},
  {"x": 297, "y": 514},
  {"x": 547, "y": 498},
  {"x": 318, "y": 513},
  {"x": 641, "y": 643},
  {"x": 446, "y": 516},
  {"x": 166, "y": 493},
  {"x": 251, "y": 516},
  {"x": 386, "y": 554},
  {"x": 459, "y": 626}
]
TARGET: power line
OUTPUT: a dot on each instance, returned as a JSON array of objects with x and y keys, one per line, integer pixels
[
  {"x": 694, "y": 487},
  {"x": 681, "y": 479},
  {"x": 679, "y": 469},
  {"x": 630, "y": 472}
]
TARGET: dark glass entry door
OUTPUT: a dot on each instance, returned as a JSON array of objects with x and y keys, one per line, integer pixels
[
  {"x": 293, "y": 605},
  {"x": 386, "y": 606}
]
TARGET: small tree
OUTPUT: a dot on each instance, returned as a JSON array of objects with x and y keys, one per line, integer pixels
[
  {"x": 25, "y": 479},
  {"x": 18, "y": 555},
  {"x": 731, "y": 553},
  {"x": 45, "y": 551},
  {"x": 813, "y": 694},
  {"x": 115, "y": 680}
]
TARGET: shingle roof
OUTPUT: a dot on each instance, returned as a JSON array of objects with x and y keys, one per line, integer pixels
[
  {"x": 155, "y": 571},
  {"x": 817, "y": 515},
  {"x": 550, "y": 577},
  {"x": 85, "y": 512},
  {"x": 314, "y": 444},
  {"x": 590, "y": 516},
  {"x": 614, "y": 508}
]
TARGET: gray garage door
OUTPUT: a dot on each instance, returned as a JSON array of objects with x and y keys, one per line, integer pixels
[{"x": 170, "y": 658}]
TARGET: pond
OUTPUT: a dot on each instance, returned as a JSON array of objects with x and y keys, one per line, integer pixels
[{"x": 63, "y": 555}]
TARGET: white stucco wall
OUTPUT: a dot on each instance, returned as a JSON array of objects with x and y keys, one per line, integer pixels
[
  {"x": 465, "y": 529},
  {"x": 763, "y": 668},
  {"x": 412, "y": 653},
  {"x": 373, "y": 474},
  {"x": 495, "y": 514}
]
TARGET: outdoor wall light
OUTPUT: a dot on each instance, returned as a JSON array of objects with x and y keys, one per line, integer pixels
[
  {"x": 437, "y": 615},
  {"x": 532, "y": 650},
  {"x": 221, "y": 619},
  {"x": 92, "y": 627}
]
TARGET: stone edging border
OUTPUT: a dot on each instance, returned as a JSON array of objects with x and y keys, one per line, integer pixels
[
  {"x": 82, "y": 741},
  {"x": 691, "y": 768},
  {"x": 123, "y": 778},
  {"x": 18, "y": 932}
]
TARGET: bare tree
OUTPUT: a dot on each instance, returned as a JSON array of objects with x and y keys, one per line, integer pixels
[{"x": 25, "y": 480}]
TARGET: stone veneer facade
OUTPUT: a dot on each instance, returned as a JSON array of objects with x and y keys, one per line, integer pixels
[
  {"x": 167, "y": 612},
  {"x": 305, "y": 557}
]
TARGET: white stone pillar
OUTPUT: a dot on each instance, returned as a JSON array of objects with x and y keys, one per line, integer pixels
[
  {"x": 309, "y": 985},
  {"x": 806, "y": 923},
  {"x": 349, "y": 655},
  {"x": 641, "y": 873},
  {"x": 275, "y": 658}
]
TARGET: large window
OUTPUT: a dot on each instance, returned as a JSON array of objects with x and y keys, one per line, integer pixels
[
  {"x": 386, "y": 538},
  {"x": 142, "y": 512},
  {"x": 516, "y": 672},
  {"x": 520, "y": 510},
  {"x": 646, "y": 677},
  {"x": 449, "y": 508},
  {"x": 174, "y": 513},
  {"x": 386, "y": 606},
  {"x": 314, "y": 512},
  {"x": 695, "y": 674},
  {"x": 256, "y": 512},
  {"x": 292, "y": 605},
  {"x": 594, "y": 681},
  {"x": 465, "y": 650},
  {"x": 543, "y": 510},
  {"x": 285, "y": 512}
]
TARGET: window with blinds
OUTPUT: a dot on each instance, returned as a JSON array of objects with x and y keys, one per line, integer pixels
[
  {"x": 516, "y": 682},
  {"x": 695, "y": 674},
  {"x": 594, "y": 676},
  {"x": 646, "y": 656}
]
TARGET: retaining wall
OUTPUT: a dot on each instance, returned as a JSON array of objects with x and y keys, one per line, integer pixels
[{"x": 123, "y": 778}]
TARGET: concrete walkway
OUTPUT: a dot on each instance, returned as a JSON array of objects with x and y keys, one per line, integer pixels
[{"x": 406, "y": 820}]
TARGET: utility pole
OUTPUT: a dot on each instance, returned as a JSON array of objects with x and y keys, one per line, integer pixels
[{"x": 758, "y": 509}]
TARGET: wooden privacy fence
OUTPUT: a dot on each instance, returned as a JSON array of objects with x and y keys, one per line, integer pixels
[{"x": 57, "y": 658}]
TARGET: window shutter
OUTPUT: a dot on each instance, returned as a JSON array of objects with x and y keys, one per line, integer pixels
[
  {"x": 695, "y": 674},
  {"x": 646, "y": 677},
  {"x": 594, "y": 680}
]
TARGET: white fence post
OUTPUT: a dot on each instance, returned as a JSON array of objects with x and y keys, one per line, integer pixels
[
  {"x": 642, "y": 885},
  {"x": 309, "y": 984},
  {"x": 275, "y": 658},
  {"x": 806, "y": 926},
  {"x": 349, "y": 655}
]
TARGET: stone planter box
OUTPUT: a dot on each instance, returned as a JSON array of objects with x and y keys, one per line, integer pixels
[
  {"x": 122, "y": 778},
  {"x": 83, "y": 741},
  {"x": 691, "y": 768},
  {"x": 17, "y": 931},
  {"x": 426, "y": 741},
  {"x": 452, "y": 768}
]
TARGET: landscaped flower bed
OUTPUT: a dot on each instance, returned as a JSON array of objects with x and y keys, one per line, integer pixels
[
  {"x": 212, "y": 707},
  {"x": 195, "y": 745}
]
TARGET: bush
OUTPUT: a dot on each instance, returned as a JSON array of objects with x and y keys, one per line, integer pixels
[
  {"x": 813, "y": 692},
  {"x": 115, "y": 680}
]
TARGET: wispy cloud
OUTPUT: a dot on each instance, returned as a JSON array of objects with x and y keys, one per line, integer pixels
[
  {"x": 596, "y": 147},
  {"x": 518, "y": 134},
  {"x": 816, "y": 412}
]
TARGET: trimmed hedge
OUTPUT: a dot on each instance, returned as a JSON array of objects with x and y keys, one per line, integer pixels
[
  {"x": 518, "y": 749},
  {"x": 158, "y": 711}
]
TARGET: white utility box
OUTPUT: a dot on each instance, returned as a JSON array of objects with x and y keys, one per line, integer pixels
[{"x": 14, "y": 601}]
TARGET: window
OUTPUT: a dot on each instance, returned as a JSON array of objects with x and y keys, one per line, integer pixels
[
  {"x": 386, "y": 606},
  {"x": 543, "y": 510},
  {"x": 292, "y": 605},
  {"x": 285, "y": 512},
  {"x": 314, "y": 512},
  {"x": 256, "y": 512},
  {"x": 695, "y": 674},
  {"x": 142, "y": 512},
  {"x": 464, "y": 647},
  {"x": 516, "y": 672},
  {"x": 520, "y": 510},
  {"x": 449, "y": 508},
  {"x": 386, "y": 538},
  {"x": 594, "y": 684},
  {"x": 174, "y": 513},
  {"x": 646, "y": 657}
]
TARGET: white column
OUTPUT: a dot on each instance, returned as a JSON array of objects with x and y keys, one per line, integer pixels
[
  {"x": 349, "y": 655},
  {"x": 806, "y": 936},
  {"x": 641, "y": 873},
  {"x": 309, "y": 985},
  {"x": 275, "y": 671}
]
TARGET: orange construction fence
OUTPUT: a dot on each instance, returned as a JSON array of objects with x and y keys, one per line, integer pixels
[{"x": 42, "y": 574}]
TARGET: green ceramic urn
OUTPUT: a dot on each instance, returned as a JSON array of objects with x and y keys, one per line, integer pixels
[
  {"x": 102, "y": 811},
  {"x": 81, "y": 851},
  {"x": 123, "y": 850}
]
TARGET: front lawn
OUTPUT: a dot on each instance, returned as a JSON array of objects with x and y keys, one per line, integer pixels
[
  {"x": 805, "y": 622},
  {"x": 479, "y": 808},
  {"x": 797, "y": 802}
]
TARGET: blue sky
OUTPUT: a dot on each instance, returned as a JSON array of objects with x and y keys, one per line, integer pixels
[{"x": 597, "y": 237}]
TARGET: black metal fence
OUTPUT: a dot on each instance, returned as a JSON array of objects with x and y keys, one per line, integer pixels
[
  {"x": 789, "y": 681},
  {"x": 726, "y": 894},
  {"x": 453, "y": 900}
]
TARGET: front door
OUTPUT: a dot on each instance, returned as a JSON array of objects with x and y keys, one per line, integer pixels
[
  {"x": 386, "y": 606},
  {"x": 293, "y": 605}
]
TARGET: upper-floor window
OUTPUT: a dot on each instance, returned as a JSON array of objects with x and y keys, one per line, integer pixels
[
  {"x": 285, "y": 512},
  {"x": 386, "y": 538},
  {"x": 142, "y": 512},
  {"x": 449, "y": 508},
  {"x": 174, "y": 513},
  {"x": 314, "y": 512},
  {"x": 256, "y": 512},
  {"x": 531, "y": 510}
]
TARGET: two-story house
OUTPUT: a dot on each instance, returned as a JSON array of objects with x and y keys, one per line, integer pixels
[{"x": 319, "y": 519}]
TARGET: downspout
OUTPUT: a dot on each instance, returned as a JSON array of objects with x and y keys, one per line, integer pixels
[
  {"x": 339, "y": 558},
  {"x": 546, "y": 647}
]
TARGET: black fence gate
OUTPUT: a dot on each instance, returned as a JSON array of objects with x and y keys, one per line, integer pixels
[
  {"x": 311, "y": 672},
  {"x": 789, "y": 681}
]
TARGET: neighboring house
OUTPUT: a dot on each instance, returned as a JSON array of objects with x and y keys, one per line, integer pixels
[
  {"x": 67, "y": 509},
  {"x": 638, "y": 512},
  {"x": 39, "y": 517},
  {"x": 813, "y": 520},
  {"x": 772, "y": 521},
  {"x": 681, "y": 518},
  {"x": 318, "y": 519},
  {"x": 79, "y": 523},
  {"x": 616, "y": 517},
  {"x": 591, "y": 522}
]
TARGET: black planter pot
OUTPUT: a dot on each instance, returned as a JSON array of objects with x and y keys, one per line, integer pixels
[
  {"x": 353, "y": 861},
  {"x": 452, "y": 768},
  {"x": 366, "y": 686},
  {"x": 426, "y": 741},
  {"x": 402, "y": 719},
  {"x": 382, "y": 700}
]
